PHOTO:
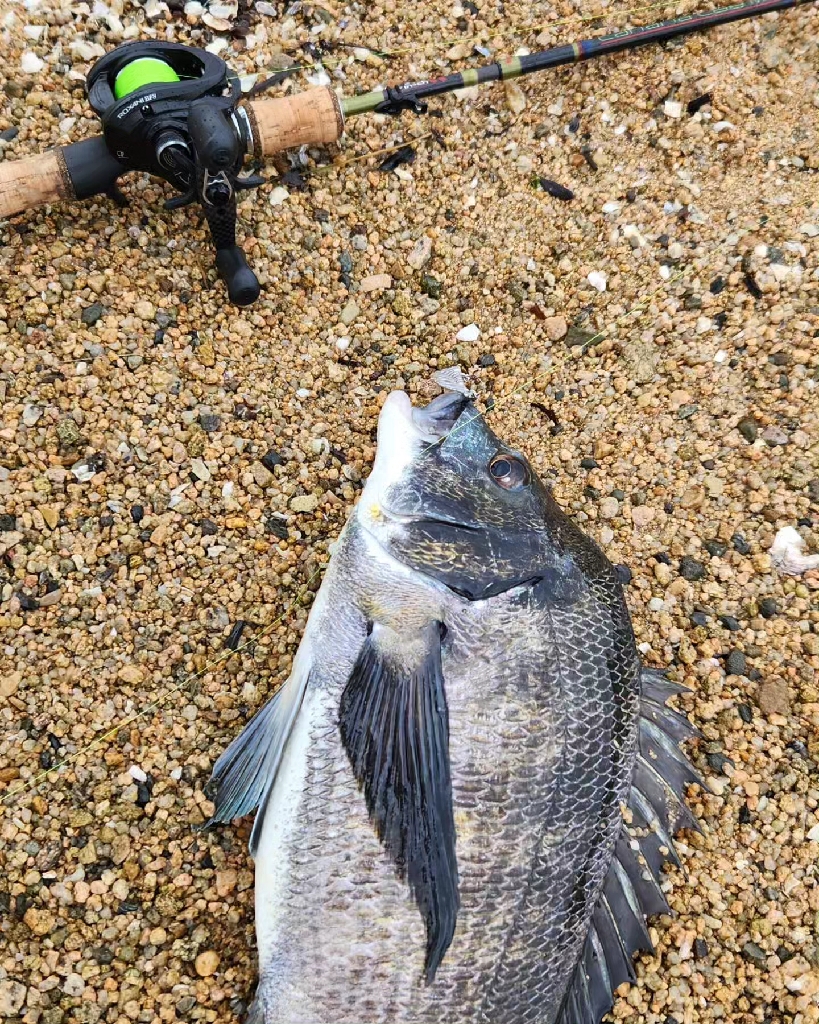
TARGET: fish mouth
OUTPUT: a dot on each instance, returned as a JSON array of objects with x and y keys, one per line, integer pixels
[{"x": 438, "y": 418}]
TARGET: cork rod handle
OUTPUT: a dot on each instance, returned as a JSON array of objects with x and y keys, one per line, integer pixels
[
  {"x": 31, "y": 182},
  {"x": 311, "y": 117}
]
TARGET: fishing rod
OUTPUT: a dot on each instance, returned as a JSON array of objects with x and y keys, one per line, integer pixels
[{"x": 178, "y": 113}]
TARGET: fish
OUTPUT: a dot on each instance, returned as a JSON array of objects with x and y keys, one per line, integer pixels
[{"x": 442, "y": 784}]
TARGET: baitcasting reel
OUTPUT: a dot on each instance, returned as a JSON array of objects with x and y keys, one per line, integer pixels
[{"x": 171, "y": 110}]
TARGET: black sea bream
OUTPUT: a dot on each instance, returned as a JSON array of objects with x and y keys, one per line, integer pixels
[{"x": 441, "y": 780}]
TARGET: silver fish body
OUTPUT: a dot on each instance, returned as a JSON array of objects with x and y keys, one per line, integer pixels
[{"x": 441, "y": 779}]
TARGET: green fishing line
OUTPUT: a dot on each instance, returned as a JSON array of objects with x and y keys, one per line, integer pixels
[{"x": 142, "y": 71}]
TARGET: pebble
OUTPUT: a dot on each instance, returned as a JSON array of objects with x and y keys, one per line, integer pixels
[
  {"x": 31, "y": 64},
  {"x": 278, "y": 195},
  {"x": 609, "y": 508},
  {"x": 349, "y": 313},
  {"x": 736, "y": 663},
  {"x": 774, "y": 436},
  {"x": 31, "y": 414},
  {"x": 672, "y": 108},
  {"x": 374, "y": 283},
  {"x": 12, "y": 997},
  {"x": 200, "y": 470},
  {"x": 304, "y": 503},
  {"x": 421, "y": 253},
  {"x": 597, "y": 280},
  {"x": 691, "y": 568},
  {"x": 92, "y": 313},
  {"x": 431, "y": 286},
  {"x": 773, "y": 697},
  {"x": 207, "y": 963},
  {"x": 469, "y": 333},
  {"x": 555, "y": 327},
  {"x": 262, "y": 475},
  {"x": 515, "y": 97}
]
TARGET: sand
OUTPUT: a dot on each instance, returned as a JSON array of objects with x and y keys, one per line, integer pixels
[{"x": 172, "y": 466}]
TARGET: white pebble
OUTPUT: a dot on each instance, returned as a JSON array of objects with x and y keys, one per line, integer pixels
[
  {"x": 193, "y": 9},
  {"x": 31, "y": 413},
  {"x": 813, "y": 835},
  {"x": 704, "y": 323},
  {"x": 267, "y": 9},
  {"x": 303, "y": 393},
  {"x": 278, "y": 195},
  {"x": 343, "y": 343},
  {"x": 469, "y": 333},
  {"x": 31, "y": 63},
  {"x": 672, "y": 108},
  {"x": 597, "y": 280},
  {"x": 611, "y": 207},
  {"x": 721, "y": 356},
  {"x": 176, "y": 774},
  {"x": 786, "y": 553},
  {"x": 722, "y": 126},
  {"x": 227, "y": 490},
  {"x": 137, "y": 774},
  {"x": 665, "y": 272},
  {"x": 33, "y": 31},
  {"x": 811, "y": 230}
]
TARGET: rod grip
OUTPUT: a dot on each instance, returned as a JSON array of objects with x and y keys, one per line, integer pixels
[
  {"x": 33, "y": 181},
  {"x": 313, "y": 117}
]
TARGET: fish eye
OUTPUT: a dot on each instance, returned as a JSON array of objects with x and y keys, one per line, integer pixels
[{"x": 509, "y": 472}]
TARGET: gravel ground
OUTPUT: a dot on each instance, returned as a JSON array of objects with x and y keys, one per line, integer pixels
[{"x": 172, "y": 467}]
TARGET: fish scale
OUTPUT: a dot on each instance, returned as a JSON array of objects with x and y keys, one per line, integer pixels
[{"x": 439, "y": 835}]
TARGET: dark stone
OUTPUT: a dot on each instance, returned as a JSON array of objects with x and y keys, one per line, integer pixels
[
  {"x": 754, "y": 675},
  {"x": 768, "y": 607},
  {"x": 487, "y": 360},
  {"x": 208, "y": 528},
  {"x": 345, "y": 261},
  {"x": 46, "y": 759},
  {"x": 747, "y": 426},
  {"x": 746, "y": 713},
  {"x": 744, "y": 815},
  {"x": 631, "y": 195},
  {"x": 784, "y": 954},
  {"x": 691, "y": 569},
  {"x": 624, "y": 574},
  {"x": 143, "y": 793},
  {"x": 740, "y": 544},
  {"x": 591, "y": 492},
  {"x": 662, "y": 557},
  {"x": 779, "y": 359},
  {"x": 700, "y": 949},
  {"x": 271, "y": 460},
  {"x": 129, "y": 907},
  {"x": 209, "y": 422},
  {"x": 574, "y": 124},
  {"x": 668, "y": 508},
  {"x": 618, "y": 494},
  {"x": 798, "y": 747},
  {"x": 27, "y": 602},
  {"x": 431, "y": 286},
  {"x": 736, "y": 663},
  {"x": 715, "y": 548},
  {"x": 699, "y": 618},
  {"x": 687, "y": 411},
  {"x": 718, "y": 762},
  {"x": 106, "y": 522},
  {"x": 750, "y": 283},
  {"x": 159, "y": 336},
  {"x": 709, "y": 464},
  {"x": 9, "y": 134},
  {"x": 103, "y": 955},
  {"x": 720, "y": 319},
  {"x": 813, "y": 489},
  {"x": 137, "y": 513},
  {"x": 276, "y": 526},
  {"x": 730, "y": 623},
  {"x": 754, "y": 954},
  {"x": 576, "y": 336},
  {"x": 589, "y": 464},
  {"x": 92, "y": 313},
  {"x": 7, "y": 522}
]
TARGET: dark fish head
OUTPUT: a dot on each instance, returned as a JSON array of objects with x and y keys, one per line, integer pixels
[{"x": 448, "y": 498}]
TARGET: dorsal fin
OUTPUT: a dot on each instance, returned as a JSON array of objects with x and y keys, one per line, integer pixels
[{"x": 631, "y": 891}]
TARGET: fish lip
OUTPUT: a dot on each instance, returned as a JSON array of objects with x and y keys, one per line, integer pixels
[{"x": 408, "y": 519}]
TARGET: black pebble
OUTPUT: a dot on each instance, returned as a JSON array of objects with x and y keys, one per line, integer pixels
[
  {"x": 624, "y": 574},
  {"x": 691, "y": 569},
  {"x": 345, "y": 261},
  {"x": 744, "y": 815},
  {"x": 784, "y": 954},
  {"x": 574, "y": 124},
  {"x": 668, "y": 508},
  {"x": 106, "y": 521},
  {"x": 715, "y": 548},
  {"x": 92, "y": 313},
  {"x": 754, "y": 675},
  {"x": 752, "y": 286},
  {"x": 746, "y": 713},
  {"x": 699, "y": 618},
  {"x": 754, "y": 954},
  {"x": 747, "y": 426},
  {"x": 7, "y": 522},
  {"x": 556, "y": 190},
  {"x": 591, "y": 492},
  {"x": 46, "y": 760},
  {"x": 143, "y": 794},
  {"x": 137, "y": 513},
  {"x": 103, "y": 955},
  {"x": 662, "y": 557},
  {"x": 740, "y": 544},
  {"x": 487, "y": 360},
  {"x": 588, "y": 464},
  {"x": 271, "y": 460},
  {"x": 709, "y": 464},
  {"x": 698, "y": 102},
  {"x": 736, "y": 663},
  {"x": 618, "y": 494},
  {"x": 718, "y": 762},
  {"x": 209, "y": 422},
  {"x": 768, "y": 607},
  {"x": 729, "y": 622},
  {"x": 720, "y": 320},
  {"x": 27, "y": 603},
  {"x": 276, "y": 526},
  {"x": 700, "y": 949},
  {"x": 159, "y": 337},
  {"x": 798, "y": 747},
  {"x": 129, "y": 907},
  {"x": 232, "y": 641},
  {"x": 208, "y": 528}
]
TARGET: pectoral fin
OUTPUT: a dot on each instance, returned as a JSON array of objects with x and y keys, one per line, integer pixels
[{"x": 395, "y": 729}]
